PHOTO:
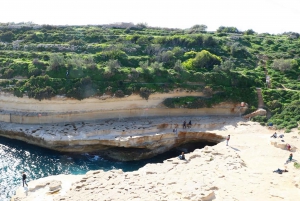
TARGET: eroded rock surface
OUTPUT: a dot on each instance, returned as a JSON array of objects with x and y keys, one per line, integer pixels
[
  {"x": 152, "y": 136},
  {"x": 241, "y": 171}
]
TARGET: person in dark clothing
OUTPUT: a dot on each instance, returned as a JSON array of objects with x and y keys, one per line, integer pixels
[
  {"x": 190, "y": 124},
  {"x": 274, "y": 135},
  {"x": 24, "y": 179},
  {"x": 279, "y": 171},
  {"x": 182, "y": 157},
  {"x": 290, "y": 157},
  {"x": 184, "y": 125}
]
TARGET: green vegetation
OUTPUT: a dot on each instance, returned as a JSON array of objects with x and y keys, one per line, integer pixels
[
  {"x": 296, "y": 165},
  {"x": 121, "y": 59}
]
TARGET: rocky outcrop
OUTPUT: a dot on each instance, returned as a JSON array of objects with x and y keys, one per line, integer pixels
[
  {"x": 46, "y": 188},
  {"x": 172, "y": 180},
  {"x": 129, "y": 139},
  {"x": 242, "y": 170},
  {"x": 259, "y": 112},
  {"x": 282, "y": 144}
]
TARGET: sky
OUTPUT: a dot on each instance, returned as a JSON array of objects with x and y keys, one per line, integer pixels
[{"x": 271, "y": 16}]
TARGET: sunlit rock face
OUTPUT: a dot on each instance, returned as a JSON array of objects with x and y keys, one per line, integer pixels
[
  {"x": 125, "y": 148},
  {"x": 124, "y": 140}
]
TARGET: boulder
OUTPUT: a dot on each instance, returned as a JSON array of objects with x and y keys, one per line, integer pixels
[
  {"x": 281, "y": 144},
  {"x": 54, "y": 185}
]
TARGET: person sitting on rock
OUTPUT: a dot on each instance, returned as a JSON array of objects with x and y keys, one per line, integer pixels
[
  {"x": 182, "y": 157},
  {"x": 274, "y": 135}
]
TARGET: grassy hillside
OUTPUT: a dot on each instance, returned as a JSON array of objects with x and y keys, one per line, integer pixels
[{"x": 84, "y": 61}]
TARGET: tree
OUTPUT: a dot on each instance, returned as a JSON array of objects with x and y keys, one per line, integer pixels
[
  {"x": 166, "y": 57},
  {"x": 134, "y": 74},
  {"x": 249, "y": 32},
  {"x": 79, "y": 42},
  {"x": 7, "y": 36},
  {"x": 205, "y": 59},
  {"x": 209, "y": 41},
  {"x": 225, "y": 66},
  {"x": 223, "y": 29},
  {"x": 142, "y": 25},
  {"x": 89, "y": 62},
  {"x": 145, "y": 92},
  {"x": 284, "y": 64},
  {"x": 113, "y": 65},
  {"x": 143, "y": 40},
  {"x": 8, "y": 73},
  {"x": 144, "y": 64},
  {"x": 238, "y": 50},
  {"x": 34, "y": 72},
  {"x": 178, "y": 67},
  {"x": 56, "y": 61},
  {"x": 75, "y": 61},
  {"x": 198, "y": 28},
  {"x": 178, "y": 52}
]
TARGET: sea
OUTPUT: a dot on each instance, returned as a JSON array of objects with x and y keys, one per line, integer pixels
[{"x": 17, "y": 157}]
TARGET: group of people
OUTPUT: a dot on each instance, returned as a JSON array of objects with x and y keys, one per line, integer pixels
[
  {"x": 288, "y": 147},
  {"x": 189, "y": 125},
  {"x": 275, "y": 135}
]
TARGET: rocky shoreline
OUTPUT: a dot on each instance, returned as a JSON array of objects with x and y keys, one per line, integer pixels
[{"x": 241, "y": 171}]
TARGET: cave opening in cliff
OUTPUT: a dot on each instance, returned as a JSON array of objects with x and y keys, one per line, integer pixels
[{"x": 144, "y": 155}]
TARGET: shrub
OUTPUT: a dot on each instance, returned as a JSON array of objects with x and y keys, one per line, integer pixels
[
  {"x": 39, "y": 64},
  {"x": 284, "y": 64},
  {"x": 79, "y": 42},
  {"x": 34, "y": 72},
  {"x": 8, "y": 73},
  {"x": 207, "y": 91},
  {"x": 56, "y": 61},
  {"x": 223, "y": 29},
  {"x": 203, "y": 59},
  {"x": 7, "y": 36},
  {"x": 119, "y": 94},
  {"x": 145, "y": 92}
]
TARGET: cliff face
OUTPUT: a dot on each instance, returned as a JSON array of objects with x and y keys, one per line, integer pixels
[
  {"x": 62, "y": 110},
  {"x": 143, "y": 139},
  {"x": 103, "y": 124}
]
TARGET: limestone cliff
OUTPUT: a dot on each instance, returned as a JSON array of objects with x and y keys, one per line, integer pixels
[{"x": 135, "y": 138}]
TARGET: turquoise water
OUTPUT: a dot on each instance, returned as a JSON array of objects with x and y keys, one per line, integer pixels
[{"x": 17, "y": 157}]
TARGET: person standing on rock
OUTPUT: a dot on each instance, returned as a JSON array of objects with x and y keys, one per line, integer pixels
[
  {"x": 24, "y": 179},
  {"x": 184, "y": 125},
  {"x": 291, "y": 157},
  {"x": 227, "y": 140},
  {"x": 190, "y": 124}
]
